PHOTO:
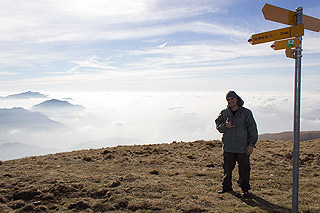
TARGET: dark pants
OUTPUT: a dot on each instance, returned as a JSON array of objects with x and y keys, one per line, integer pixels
[{"x": 229, "y": 162}]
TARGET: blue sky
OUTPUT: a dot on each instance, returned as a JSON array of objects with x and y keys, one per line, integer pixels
[
  {"x": 179, "y": 57},
  {"x": 185, "y": 45}
]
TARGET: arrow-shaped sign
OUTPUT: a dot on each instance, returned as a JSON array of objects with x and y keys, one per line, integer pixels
[
  {"x": 278, "y": 14},
  {"x": 275, "y": 35},
  {"x": 284, "y": 44}
]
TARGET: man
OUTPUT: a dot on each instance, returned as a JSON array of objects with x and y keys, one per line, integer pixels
[{"x": 240, "y": 135}]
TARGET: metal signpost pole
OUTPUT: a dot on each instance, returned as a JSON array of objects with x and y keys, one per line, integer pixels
[{"x": 297, "y": 98}]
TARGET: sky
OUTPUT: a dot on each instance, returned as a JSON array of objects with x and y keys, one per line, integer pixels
[
  {"x": 173, "y": 60},
  {"x": 143, "y": 45}
]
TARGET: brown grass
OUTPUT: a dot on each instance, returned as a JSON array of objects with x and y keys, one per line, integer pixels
[{"x": 175, "y": 177}]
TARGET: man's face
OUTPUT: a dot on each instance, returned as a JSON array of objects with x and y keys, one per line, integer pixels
[{"x": 232, "y": 102}]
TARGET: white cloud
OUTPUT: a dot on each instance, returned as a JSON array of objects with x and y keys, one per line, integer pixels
[
  {"x": 156, "y": 117},
  {"x": 206, "y": 55},
  {"x": 121, "y": 32},
  {"x": 72, "y": 20},
  {"x": 7, "y": 73},
  {"x": 100, "y": 8},
  {"x": 255, "y": 75},
  {"x": 163, "y": 45},
  {"x": 91, "y": 63},
  {"x": 14, "y": 131},
  {"x": 310, "y": 44},
  {"x": 60, "y": 37},
  {"x": 118, "y": 124},
  {"x": 140, "y": 10}
]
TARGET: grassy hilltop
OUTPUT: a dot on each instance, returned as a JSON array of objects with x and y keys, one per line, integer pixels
[{"x": 175, "y": 177}]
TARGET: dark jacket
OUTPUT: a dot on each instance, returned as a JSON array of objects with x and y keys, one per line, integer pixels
[{"x": 243, "y": 134}]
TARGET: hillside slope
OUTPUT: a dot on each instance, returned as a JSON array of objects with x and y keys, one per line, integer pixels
[
  {"x": 175, "y": 177},
  {"x": 285, "y": 136}
]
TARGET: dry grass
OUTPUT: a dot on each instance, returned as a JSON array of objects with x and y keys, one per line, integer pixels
[{"x": 175, "y": 177}]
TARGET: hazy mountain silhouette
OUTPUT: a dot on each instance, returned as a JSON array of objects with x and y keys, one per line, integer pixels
[
  {"x": 20, "y": 118},
  {"x": 284, "y": 136},
  {"x": 26, "y": 95},
  {"x": 57, "y": 105},
  {"x": 9, "y": 151}
]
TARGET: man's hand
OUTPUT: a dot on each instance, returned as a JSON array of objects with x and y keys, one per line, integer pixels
[
  {"x": 229, "y": 124},
  {"x": 249, "y": 150}
]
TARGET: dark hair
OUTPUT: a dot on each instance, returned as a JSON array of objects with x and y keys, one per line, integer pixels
[{"x": 234, "y": 95}]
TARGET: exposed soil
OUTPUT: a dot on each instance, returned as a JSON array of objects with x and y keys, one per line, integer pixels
[{"x": 175, "y": 177}]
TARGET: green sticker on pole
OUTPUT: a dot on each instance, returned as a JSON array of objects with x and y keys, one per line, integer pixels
[{"x": 290, "y": 43}]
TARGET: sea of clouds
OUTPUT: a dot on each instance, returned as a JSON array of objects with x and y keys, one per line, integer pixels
[{"x": 158, "y": 117}]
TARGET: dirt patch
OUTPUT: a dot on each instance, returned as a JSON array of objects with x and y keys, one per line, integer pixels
[
  {"x": 80, "y": 205},
  {"x": 26, "y": 195}
]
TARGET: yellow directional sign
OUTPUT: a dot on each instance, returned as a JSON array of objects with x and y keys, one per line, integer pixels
[
  {"x": 278, "y": 14},
  {"x": 274, "y": 35},
  {"x": 311, "y": 23},
  {"x": 284, "y": 44}
]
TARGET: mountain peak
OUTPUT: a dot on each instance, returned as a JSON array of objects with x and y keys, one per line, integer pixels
[
  {"x": 20, "y": 118},
  {"x": 26, "y": 95},
  {"x": 55, "y": 104}
]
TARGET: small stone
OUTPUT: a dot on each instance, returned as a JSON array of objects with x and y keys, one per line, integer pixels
[
  {"x": 154, "y": 172},
  {"x": 115, "y": 184}
]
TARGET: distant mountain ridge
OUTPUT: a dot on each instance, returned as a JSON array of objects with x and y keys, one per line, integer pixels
[
  {"x": 20, "y": 118},
  {"x": 9, "y": 151},
  {"x": 285, "y": 136},
  {"x": 55, "y": 104},
  {"x": 26, "y": 95}
]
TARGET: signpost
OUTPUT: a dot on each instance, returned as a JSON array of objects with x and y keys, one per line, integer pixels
[
  {"x": 284, "y": 44},
  {"x": 293, "y": 47},
  {"x": 280, "y": 15},
  {"x": 288, "y": 32}
]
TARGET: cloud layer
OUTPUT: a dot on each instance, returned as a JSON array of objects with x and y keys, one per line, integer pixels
[{"x": 156, "y": 117}]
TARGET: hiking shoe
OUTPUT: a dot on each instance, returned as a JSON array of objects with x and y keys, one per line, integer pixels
[
  {"x": 224, "y": 191},
  {"x": 245, "y": 192}
]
